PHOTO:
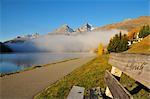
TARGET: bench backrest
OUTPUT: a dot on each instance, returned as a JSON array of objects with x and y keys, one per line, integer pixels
[{"x": 137, "y": 66}]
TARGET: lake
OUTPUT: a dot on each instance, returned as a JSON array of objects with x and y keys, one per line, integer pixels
[{"x": 19, "y": 61}]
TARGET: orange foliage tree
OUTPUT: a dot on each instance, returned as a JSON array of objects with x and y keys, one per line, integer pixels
[{"x": 132, "y": 34}]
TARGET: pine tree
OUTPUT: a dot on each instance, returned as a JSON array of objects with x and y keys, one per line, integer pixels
[
  {"x": 118, "y": 43},
  {"x": 145, "y": 31}
]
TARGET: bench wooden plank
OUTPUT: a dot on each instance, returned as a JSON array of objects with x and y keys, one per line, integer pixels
[
  {"x": 137, "y": 66},
  {"x": 117, "y": 90},
  {"x": 76, "y": 93}
]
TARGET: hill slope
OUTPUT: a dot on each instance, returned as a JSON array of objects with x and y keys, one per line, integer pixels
[
  {"x": 142, "y": 47},
  {"x": 127, "y": 24}
]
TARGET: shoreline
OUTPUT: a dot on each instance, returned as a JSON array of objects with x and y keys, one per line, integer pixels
[{"x": 37, "y": 66}]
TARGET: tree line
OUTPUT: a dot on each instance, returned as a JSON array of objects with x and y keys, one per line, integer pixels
[
  {"x": 145, "y": 31},
  {"x": 119, "y": 42}
]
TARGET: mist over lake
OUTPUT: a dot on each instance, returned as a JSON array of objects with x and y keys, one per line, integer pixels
[{"x": 83, "y": 42}]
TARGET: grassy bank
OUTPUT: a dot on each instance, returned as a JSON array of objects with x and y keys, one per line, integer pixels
[
  {"x": 141, "y": 47},
  {"x": 138, "y": 91},
  {"x": 89, "y": 75}
]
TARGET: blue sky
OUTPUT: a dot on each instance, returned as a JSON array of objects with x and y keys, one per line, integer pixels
[{"x": 21, "y": 17}]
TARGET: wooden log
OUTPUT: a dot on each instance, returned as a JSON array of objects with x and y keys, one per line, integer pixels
[
  {"x": 76, "y": 93},
  {"x": 137, "y": 66},
  {"x": 117, "y": 90}
]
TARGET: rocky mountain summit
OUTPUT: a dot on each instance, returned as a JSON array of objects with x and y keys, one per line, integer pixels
[
  {"x": 85, "y": 28},
  {"x": 67, "y": 30},
  {"x": 64, "y": 29}
]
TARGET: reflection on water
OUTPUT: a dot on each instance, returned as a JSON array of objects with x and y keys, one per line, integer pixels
[{"x": 18, "y": 61}]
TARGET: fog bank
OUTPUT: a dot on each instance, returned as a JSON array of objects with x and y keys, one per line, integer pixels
[{"x": 64, "y": 43}]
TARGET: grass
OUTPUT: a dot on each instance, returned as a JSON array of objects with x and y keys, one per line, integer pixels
[
  {"x": 131, "y": 84},
  {"x": 89, "y": 75},
  {"x": 141, "y": 47}
]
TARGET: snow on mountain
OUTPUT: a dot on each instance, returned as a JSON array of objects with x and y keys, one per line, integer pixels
[{"x": 66, "y": 30}]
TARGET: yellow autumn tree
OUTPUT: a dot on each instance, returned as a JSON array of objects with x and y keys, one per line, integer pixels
[{"x": 100, "y": 49}]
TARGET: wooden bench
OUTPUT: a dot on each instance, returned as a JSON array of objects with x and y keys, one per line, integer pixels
[{"x": 136, "y": 66}]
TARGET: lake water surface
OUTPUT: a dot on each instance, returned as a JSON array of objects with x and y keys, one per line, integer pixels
[{"x": 18, "y": 61}]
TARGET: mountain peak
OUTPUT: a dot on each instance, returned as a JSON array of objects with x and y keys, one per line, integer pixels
[
  {"x": 65, "y": 26},
  {"x": 85, "y": 28},
  {"x": 64, "y": 29},
  {"x": 88, "y": 24}
]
